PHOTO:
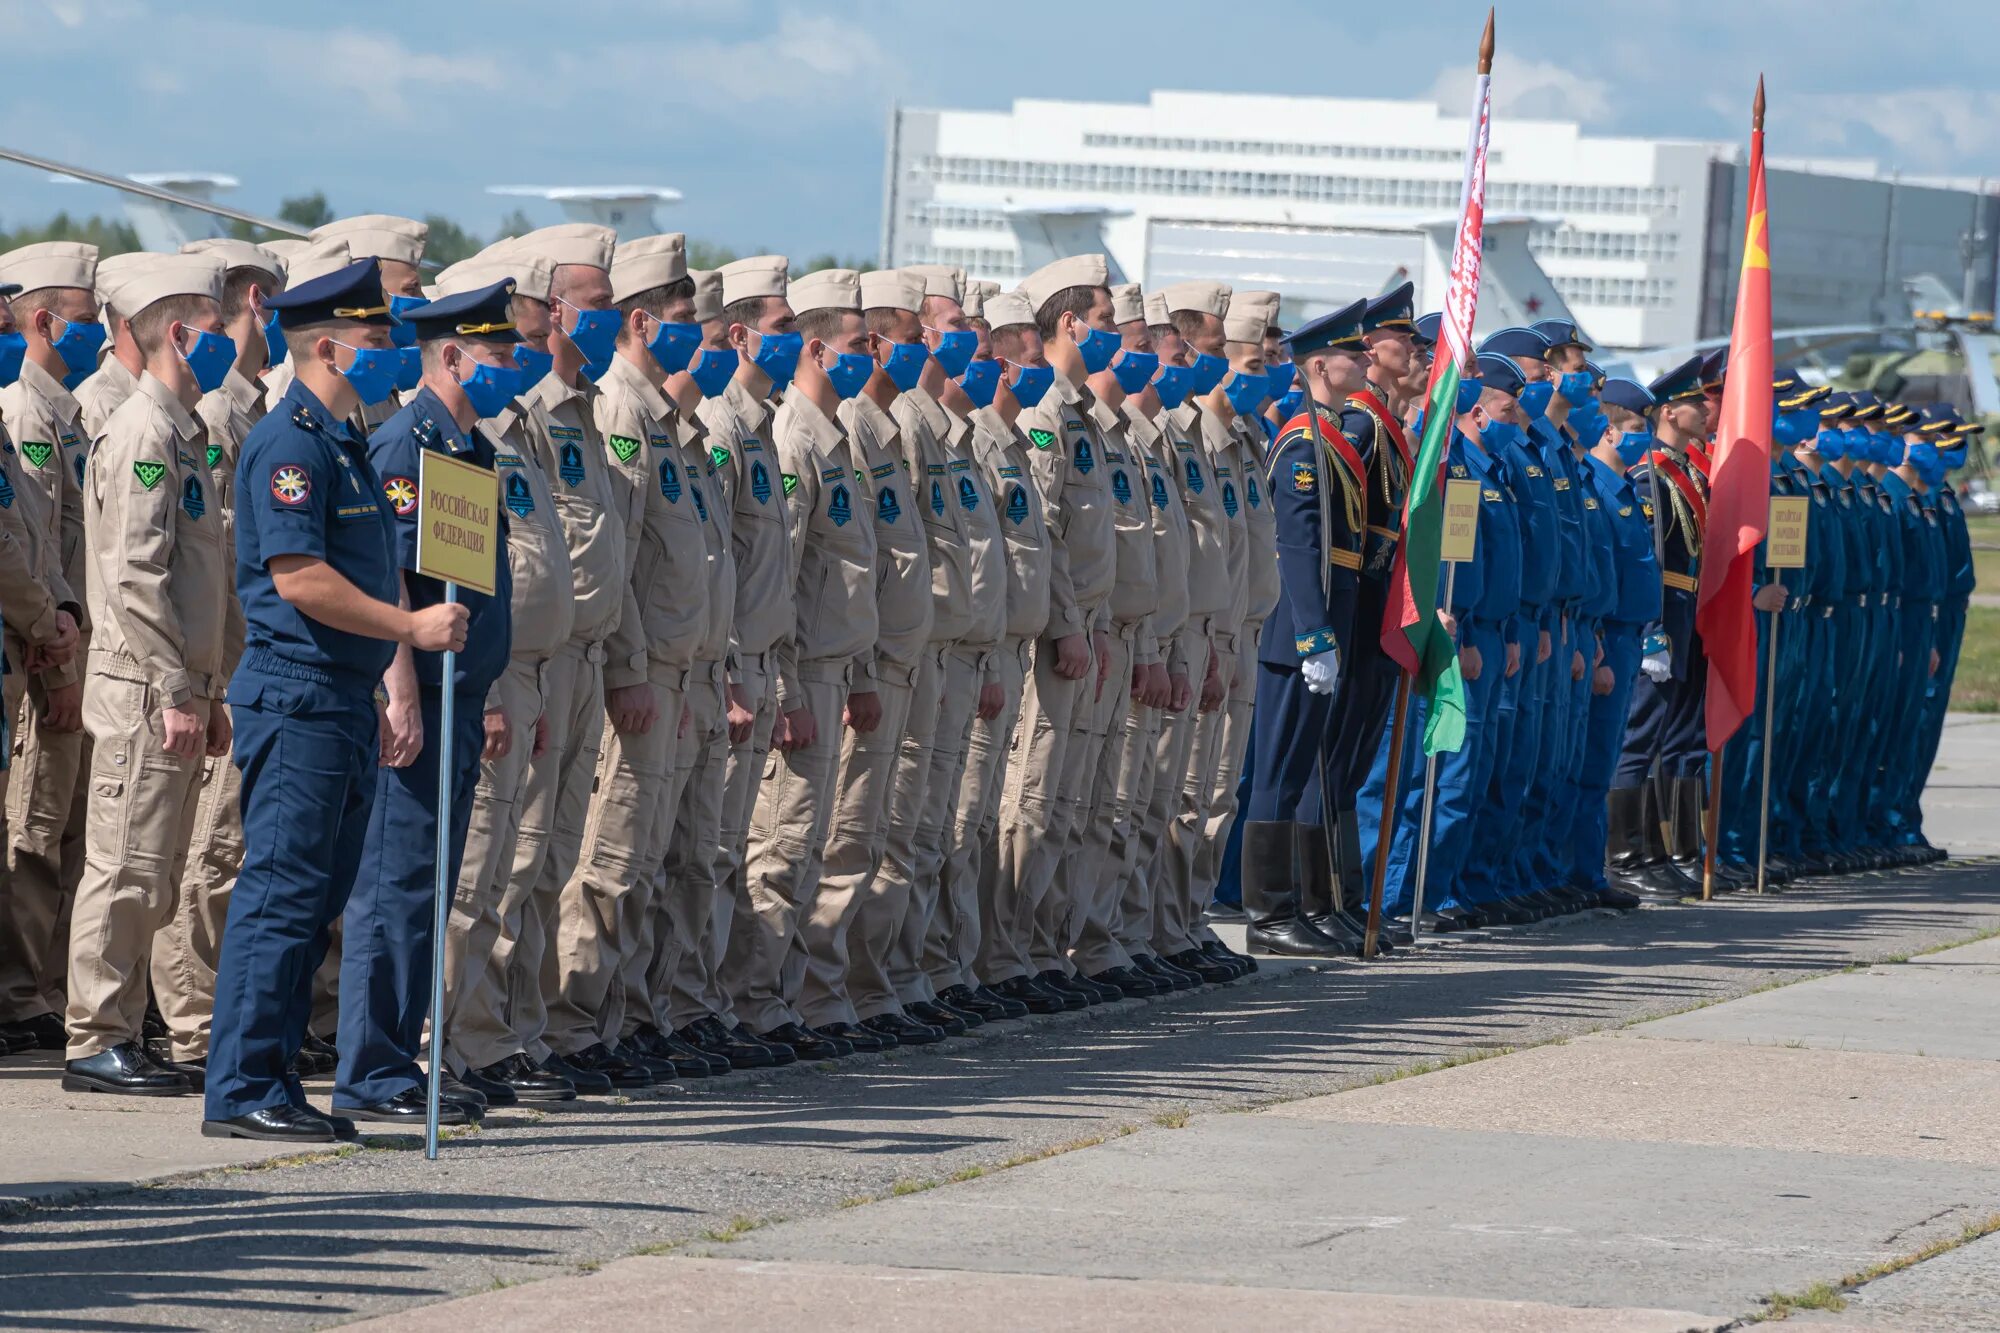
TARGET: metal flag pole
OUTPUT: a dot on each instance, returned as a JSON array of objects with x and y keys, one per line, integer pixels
[
  {"x": 1430, "y": 797},
  {"x": 1385, "y": 837},
  {"x": 441, "y": 891},
  {"x": 1711, "y": 820},
  {"x": 1770, "y": 721}
]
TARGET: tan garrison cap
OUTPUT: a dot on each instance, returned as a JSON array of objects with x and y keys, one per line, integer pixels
[
  {"x": 531, "y": 274},
  {"x": 1127, "y": 303},
  {"x": 828, "y": 289},
  {"x": 570, "y": 243},
  {"x": 940, "y": 279},
  {"x": 1209, "y": 298},
  {"x": 51, "y": 264},
  {"x": 237, "y": 254},
  {"x": 977, "y": 290},
  {"x": 378, "y": 236},
  {"x": 1156, "y": 309},
  {"x": 709, "y": 285},
  {"x": 114, "y": 270},
  {"x": 759, "y": 275},
  {"x": 287, "y": 246},
  {"x": 173, "y": 275},
  {"x": 891, "y": 289},
  {"x": 1076, "y": 271},
  {"x": 649, "y": 262},
  {"x": 322, "y": 258},
  {"x": 1250, "y": 313},
  {"x": 1006, "y": 309}
]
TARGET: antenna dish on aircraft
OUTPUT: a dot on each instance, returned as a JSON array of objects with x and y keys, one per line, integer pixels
[{"x": 626, "y": 209}]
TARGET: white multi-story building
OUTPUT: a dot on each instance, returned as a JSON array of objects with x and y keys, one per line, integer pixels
[{"x": 1327, "y": 199}]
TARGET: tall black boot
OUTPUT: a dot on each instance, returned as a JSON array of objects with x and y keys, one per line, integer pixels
[
  {"x": 1684, "y": 829},
  {"x": 1625, "y": 851},
  {"x": 1656, "y": 866},
  {"x": 1271, "y": 895},
  {"x": 1354, "y": 885},
  {"x": 1316, "y": 886}
]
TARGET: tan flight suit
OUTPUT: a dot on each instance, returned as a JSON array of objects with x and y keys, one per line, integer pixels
[
  {"x": 185, "y": 954},
  {"x": 951, "y": 943},
  {"x": 683, "y": 983},
  {"x": 608, "y": 929},
  {"x": 166, "y": 624},
  {"x": 850, "y": 929},
  {"x": 1170, "y": 866},
  {"x": 488, "y": 912},
  {"x": 563, "y": 436},
  {"x": 1088, "y": 881},
  {"x": 45, "y": 799},
  {"x": 104, "y": 393},
  {"x": 739, "y": 429},
  {"x": 975, "y": 853},
  {"x": 1041, "y": 801},
  {"x": 833, "y": 565}
]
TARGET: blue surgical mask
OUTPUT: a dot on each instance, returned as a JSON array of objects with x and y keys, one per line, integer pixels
[
  {"x": 1795, "y": 428},
  {"x": 13, "y": 351},
  {"x": 905, "y": 365},
  {"x": 849, "y": 371},
  {"x": 373, "y": 372},
  {"x": 1281, "y": 377},
  {"x": 1575, "y": 386},
  {"x": 1209, "y": 371},
  {"x": 1288, "y": 404},
  {"x": 1135, "y": 370},
  {"x": 1031, "y": 383},
  {"x": 954, "y": 351},
  {"x": 1831, "y": 445},
  {"x": 409, "y": 368},
  {"x": 1500, "y": 435},
  {"x": 78, "y": 349},
  {"x": 778, "y": 357},
  {"x": 210, "y": 359},
  {"x": 674, "y": 345},
  {"x": 979, "y": 381},
  {"x": 1952, "y": 458},
  {"x": 1246, "y": 391},
  {"x": 534, "y": 365},
  {"x": 275, "y": 350},
  {"x": 595, "y": 334},
  {"x": 1097, "y": 347},
  {"x": 1468, "y": 395},
  {"x": 402, "y": 332},
  {"x": 1588, "y": 422},
  {"x": 711, "y": 370},
  {"x": 1174, "y": 385},
  {"x": 1923, "y": 456},
  {"x": 491, "y": 388},
  {"x": 1633, "y": 446},
  {"x": 1535, "y": 399}
]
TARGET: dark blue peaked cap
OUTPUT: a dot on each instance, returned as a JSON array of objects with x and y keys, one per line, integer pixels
[
  {"x": 1515, "y": 342},
  {"x": 351, "y": 293},
  {"x": 483, "y": 312},
  {"x": 1683, "y": 381},
  {"x": 1561, "y": 333},
  {"x": 1496, "y": 371},
  {"x": 1427, "y": 329},
  {"x": 1628, "y": 394},
  {"x": 1393, "y": 309},
  {"x": 1341, "y": 329}
]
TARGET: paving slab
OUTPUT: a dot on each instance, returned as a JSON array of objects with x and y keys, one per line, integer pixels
[
  {"x": 1957, "y": 1292},
  {"x": 753, "y": 1297},
  {"x": 1963, "y": 789}
]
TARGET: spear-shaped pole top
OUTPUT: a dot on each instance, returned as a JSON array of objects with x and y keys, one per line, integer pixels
[
  {"x": 1757, "y": 107},
  {"x": 1486, "y": 46}
]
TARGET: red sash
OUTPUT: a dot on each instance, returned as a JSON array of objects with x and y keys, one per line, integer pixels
[
  {"x": 1664, "y": 463},
  {"x": 1329, "y": 431},
  {"x": 1366, "y": 400},
  {"x": 1702, "y": 463}
]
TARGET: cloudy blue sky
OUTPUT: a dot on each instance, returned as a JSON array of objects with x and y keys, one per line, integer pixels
[{"x": 769, "y": 114}]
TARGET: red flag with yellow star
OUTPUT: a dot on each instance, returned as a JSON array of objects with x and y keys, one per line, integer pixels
[{"x": 1739, "y": 500}]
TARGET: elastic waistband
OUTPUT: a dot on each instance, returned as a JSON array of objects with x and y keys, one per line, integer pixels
[{"x": 264, "y": 662}]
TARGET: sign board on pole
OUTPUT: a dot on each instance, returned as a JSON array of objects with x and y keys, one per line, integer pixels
[
  {"x": 1461, "y": 520},
  {"x": 1785, "y": 533},
  {"x": 458, "y": 523}
]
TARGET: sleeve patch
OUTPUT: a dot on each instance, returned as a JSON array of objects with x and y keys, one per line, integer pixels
[
  {"x": 148, "y": 472},
  {"x": 1041, "y": 439},
  {"x": 291, "y": 486},
  {"x": 791, "y": 482},
  {"x": 37, "y": 452},
  {"x": 1304, "y": 480},
  {"x": 718, "y": 455},
  {"x": 401, "y": 493},
  {"x": 625, "y": 447}
]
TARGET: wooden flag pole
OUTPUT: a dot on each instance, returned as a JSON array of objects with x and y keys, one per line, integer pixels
[
  {"x": 1711, "y": 818},
  {"x": 1385, "y": 835}
]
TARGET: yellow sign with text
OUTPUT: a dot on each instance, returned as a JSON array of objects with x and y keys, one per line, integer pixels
[
  {"x": 1785, "y": 535},
  {"x": 458, "y": 523},
  {"x": 1461, "y": 521}
]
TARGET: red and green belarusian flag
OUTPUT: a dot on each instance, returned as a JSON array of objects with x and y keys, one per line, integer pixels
[{"x": 1410, "y": 630}]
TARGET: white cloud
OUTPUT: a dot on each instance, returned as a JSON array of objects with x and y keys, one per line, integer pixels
[
  {"x": 805, "y": 58},
  {"x": 1534, "y": 89},
  {"x": 1938, "y": 129},
  {"x": 375, "y": 66}
]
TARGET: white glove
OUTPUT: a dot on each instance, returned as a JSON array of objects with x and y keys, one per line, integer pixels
[
  {"x": 1657, "y": 666},
  {"x": 1322, "y": 671}
]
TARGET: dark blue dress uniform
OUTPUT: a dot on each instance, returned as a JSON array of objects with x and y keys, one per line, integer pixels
[
  {"x": 1809, "y": 651},
  {"x": 385, "y": 971},
  {"x": 302, "y": 703},
  {"x": 1951, "y": 435}
]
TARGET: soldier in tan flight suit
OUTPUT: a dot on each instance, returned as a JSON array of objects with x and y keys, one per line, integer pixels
[
  {"x": 58, "y": 314},
  {"x": 119, "y": 364},
  {"x": 849, "y": 933},
  {"x": 485, "y": 961},
  {"x": 185, "y": 954},
  {"x": 1006, "y": 324},
  {"x": 1041, "y": 806},
  {"x": 166, "y": 625},
  {"x": 833, "y": 564}
]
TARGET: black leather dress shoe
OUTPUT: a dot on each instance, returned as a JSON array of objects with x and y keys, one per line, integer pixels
[
  {"x": 43, "y": 1032},
  {"x": 906, "y": 1031},
  {"x": 275, "y": 1124},
  {"x": 781, "y": 1054},
  {"x": 597, "y": 1058},
  {"x": 194, "y": 1071},
  {"x": 1128, "y": 982},
  {"x": 860, "y": 1038},
  {"x": 407, "y": 1107},
  {"x": 1036, "y": 998},
  {"x": 1462, "y": 918},
  {"x": 937, "y": 1016},
  {"x": 124, "y": 1069},
  {"x": 1003, "y": 1008},
  {"x": 632, "y": 1053},
  {"x": 1062, "y": 982},
  {"x": 683, "y": 1059},
  {"x": 1228, "y": 957},
  {"x": 708, "y": 1036},
  {"x": 964, "y": 1000},
  {"x": 1617, "y": 899},
  {"x": 1161, "y": 971},
  {"x": 527, "y": 1081},
  {"x": 587, "y": 1082},
  {"x": 1221, "y": 911},
  {"x": 970, "y": 1019},
  {"x": 458, "y": 1090},
  {"x": 1199, "y": 963},
  {"x": 806, "y": 1043},
  {"x": 317, "y": 1057}
]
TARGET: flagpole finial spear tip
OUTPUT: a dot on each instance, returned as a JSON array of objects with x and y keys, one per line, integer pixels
[
  {"x": 1757, "y": 107},
  {"x": 1486, "y": 46}
]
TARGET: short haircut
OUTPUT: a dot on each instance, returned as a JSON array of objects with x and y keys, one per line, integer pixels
[
  {"x": 979, "y": 322},
  {"x": 433, "y": 348},
  {"x": 823, "y": 323},
  {"x": 236, "y": 287},
  {"x": 1069, "y": 301},
  {"x": 149, "y": 326},
  {"x": 885, "y": 321},
  {"x": 1007, "y": 342},
  {"x": 745, "y": 310},
  {"x": 1190, "y": 324},
  {"x": 655, "y": 299},
  {"x": 301, "y": 340},
  {"x": 26, "y": 304}
]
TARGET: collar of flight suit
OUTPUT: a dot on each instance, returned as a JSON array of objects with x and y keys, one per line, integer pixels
[
  {"x": 824, "y": 433},
  {"x": 930, "y": 410},
  {"x": 634, "y": 380},
  {"x": 165, "y": 399},
  {"x": 51, "y": 391},
  {"x": 755, "y": 413},
  {"x": 1140, "y": 427},
  {"x": 552, "y": 393},
  {"x": 245, "y": 394},
  {"x": 880, "y": 424}
]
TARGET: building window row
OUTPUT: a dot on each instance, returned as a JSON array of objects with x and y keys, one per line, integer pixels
[
  {"x": 972, "y": 258},
  {"x": 1630, "y": 293},
  {"x": 1576, "y": 243},
  {"x": 957, "y": 217},
  {"x": 1164, "y": 143}
]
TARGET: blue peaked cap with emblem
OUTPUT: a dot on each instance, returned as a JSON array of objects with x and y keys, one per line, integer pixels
[
  {"x": 484, "y": 312},
  {"x": 1515, "y": 342},
  {"x": 1497, "y": 371},
  {"x": 1628, "y": 394},
  {"x": 1940, "y": 419},
  {"x": 1715, "y": 366},
  {"x": 1393, "y": 309},
  {"x": 1341, "y": 329},
  {"x": 1426, "y": 328},
  {"x": 353, "y": 293},
  {"x": 1683, "y": 381},
  {"x": 1561, "y": 333}
]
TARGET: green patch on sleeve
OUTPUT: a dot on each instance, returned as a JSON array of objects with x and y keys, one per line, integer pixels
[
  {"x": 214, "y": 454},
  {"x": 718, "y": 455},
  {"x": 791, "y": 482},
  {"x": 1041, "y": 439},
  {"x": 625, "y": 447},
  {"x": 148, "y": 472},
  {"x": 37, "y": 452}
]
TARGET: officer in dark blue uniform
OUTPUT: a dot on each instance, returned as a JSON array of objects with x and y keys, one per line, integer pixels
[
  {"x": 1950, "y": 436},
  {"x": 1316, "y": 476},
  {"x": 1913, "y": 460},
  {"x": 316, "y": 574},
  {"x": 467, "y": 342},
  {"x": 1829, "y": 781}
]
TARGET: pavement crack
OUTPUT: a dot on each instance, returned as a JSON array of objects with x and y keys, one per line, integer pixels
[{"x": 1921, "y": 1223}]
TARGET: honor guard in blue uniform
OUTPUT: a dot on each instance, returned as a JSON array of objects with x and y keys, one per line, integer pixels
[
  {"x": 1668, "y": 691},
  {"x": 1950, "y": 435},
  {"x": 316, "y": 574},
  {"x": 466, "y": 342},
  {"x": 1316, "y": 477},
  {"x": 1842, "y": 538},
  {"x": 1880, "y": 552},
  {"x": 1913, "y": 461}
]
